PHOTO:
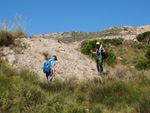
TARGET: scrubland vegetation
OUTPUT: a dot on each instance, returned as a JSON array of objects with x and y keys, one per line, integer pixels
[
  {"x": 23, "y": 92},
  {"x": 124, "y": 90}
]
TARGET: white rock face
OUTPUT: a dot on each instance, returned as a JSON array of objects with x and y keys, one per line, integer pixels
[{"x": 70, "y": 62}]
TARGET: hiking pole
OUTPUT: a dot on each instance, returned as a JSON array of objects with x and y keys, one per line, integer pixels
[{"x": 91, "y": 58}]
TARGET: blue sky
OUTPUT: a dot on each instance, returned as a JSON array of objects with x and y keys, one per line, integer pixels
[{"x": 51, "y": 16}]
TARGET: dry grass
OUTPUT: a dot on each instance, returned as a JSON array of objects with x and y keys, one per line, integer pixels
[
  {"x": 117, "y": 72},
  {"x": 18, "y": 25},
  {"x": 46, "y": 54}
]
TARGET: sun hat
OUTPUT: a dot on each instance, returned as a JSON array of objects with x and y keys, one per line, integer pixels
[
  {"x": 55, "y": 57},
  {"x": 97, "y": 43}
]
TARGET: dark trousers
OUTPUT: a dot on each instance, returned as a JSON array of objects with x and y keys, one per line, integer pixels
[
  {"x": 99, "y": 65},
  {"x": 49, "y": 74}
]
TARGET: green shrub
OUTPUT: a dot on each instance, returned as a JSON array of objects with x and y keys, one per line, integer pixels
[
  {"x": 96, "y": 109},
  {"x": 147, "y": 55},
  {"x": 115, "y": 41},
  {"x": 6, "y": 38},
  {"x": 144, "y": 104},
  {"x": 144, "y": 81},
  {"x": 111, "y": 58},
  {"x": 144, "y": 37},
  {"x": 139, "y": 46},
  {"x": 73, "y": 107},
  {"x": 26, "y": 97},
  {"x": 84, "y": 43},
  {"x": 55, "y": 86},
  {"x": 117, "y": 92},
  {"x": 88, "y": 46},
  {"x": 141, "y": 64},
  {"x": 29, "y": 76},
  {"x": 6, "y": 69},
  {"x": 5, "y": 103},
  {"x": 91, "y": 45},
  {"x": 148, "y": 65},
  {"x": 144, "y": 63}
]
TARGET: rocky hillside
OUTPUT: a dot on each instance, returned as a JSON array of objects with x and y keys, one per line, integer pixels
[
  {"x": 126, "y": 32},
  {"x": 71, "y": 63}
]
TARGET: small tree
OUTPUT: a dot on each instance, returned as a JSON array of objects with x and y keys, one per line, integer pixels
[
  {"x": 85, "y": 49},
  {"x": 144, "y": 37},
  {"x": 147, "y": 55},
  {"x": 141, "y": 64},
  {"x": 144, "y": 63}
]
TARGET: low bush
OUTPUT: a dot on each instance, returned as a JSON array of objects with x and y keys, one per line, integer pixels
[
  {"x": 6, "y": 38},
  {"x": 83, "y": 43},
  {"x": 72, "y": 107},
  {"x": 21, "y": 91},
  {"x": 26, "y": 97},
  {"x": 96, "y": 109},
  {"x": 114, "y": 93},
  {"x": 55, "y": 86},
  {"x": 147, "y": 55},
  {"x": 144, "y": 37},
  {"x": 115, "y": 41},
  {"x": 140, "y": 45},
  {"x": 111, "y": 58},
  {"x": 144, "y": 63},
  {"x": 141, "y": 64},
  {"x": 144, "y": 104},
  {"x": 91, "y": 45}
]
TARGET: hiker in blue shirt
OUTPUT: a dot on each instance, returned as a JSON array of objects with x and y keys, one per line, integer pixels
[
  {"x": 51, "y": 72},
  {"x": 100, "y": 51}
]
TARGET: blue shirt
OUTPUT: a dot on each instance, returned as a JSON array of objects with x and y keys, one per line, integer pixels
[{"x": 51, "y": 61}]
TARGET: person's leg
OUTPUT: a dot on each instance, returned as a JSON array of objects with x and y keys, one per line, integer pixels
[
  {"x": 51, "y": 75},
  {"x": 47, "y": 74},
  {"x": 97, "y": 63},
  {"x": 101, "y": 66}
]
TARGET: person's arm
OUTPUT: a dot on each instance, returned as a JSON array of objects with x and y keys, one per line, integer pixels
[
  {"x": 93, "y": 52},
  {"x": 53, "y": 66}
]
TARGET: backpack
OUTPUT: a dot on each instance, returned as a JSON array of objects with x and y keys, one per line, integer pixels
[
  {"x": 46, "y": 67},
  {"x": 105, "y": 56}
]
